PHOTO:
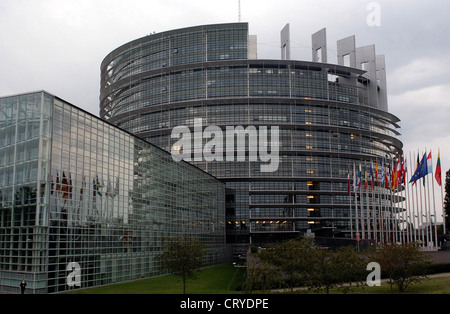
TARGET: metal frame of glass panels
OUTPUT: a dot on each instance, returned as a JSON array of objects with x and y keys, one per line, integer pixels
[{"x": 75, "y": 189}]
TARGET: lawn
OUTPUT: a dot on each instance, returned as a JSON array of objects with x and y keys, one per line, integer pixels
[
  {"x": 223, "y": 279},
  {"x": 220, "y": 279},
  {"x": 436, "y": 285}
]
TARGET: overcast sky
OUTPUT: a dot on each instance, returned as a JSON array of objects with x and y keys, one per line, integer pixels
[{"x": 58, "y": 45}]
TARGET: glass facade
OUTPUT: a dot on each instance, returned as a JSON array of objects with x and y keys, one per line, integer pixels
[
  {"x": 326, "y": 120},
  {"x": 74, "y": 188}
]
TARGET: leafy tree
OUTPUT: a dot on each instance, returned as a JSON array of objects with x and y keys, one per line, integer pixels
[
  {"x": 447, "y": 201},
  {"x": 341, "y": 268},
  {"x": 182, "y": 257},
  {"x": 260, "y": 275},
  {"x": 291, "y": 259},
  {"x": 403, "y": 264}
]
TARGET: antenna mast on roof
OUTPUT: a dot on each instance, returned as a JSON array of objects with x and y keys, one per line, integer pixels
[{"x": 239, "y": 11}]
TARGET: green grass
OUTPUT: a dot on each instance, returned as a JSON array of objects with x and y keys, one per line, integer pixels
[
  {"x": 223, "y": 279},
  {"x": 437, "y": 285},
  {"x": 220, "y": 279}
]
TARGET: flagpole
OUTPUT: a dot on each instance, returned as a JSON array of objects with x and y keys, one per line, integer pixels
[
  {"x": 391, "y": 211},
  {"x": 427, "y": 200},
  {"x": 369, "y": 236},
  {"x": 428, "y": 213},
  {"x": 413, "y": 226},
  {"x": 363, "y": 228},
  {"x": 382, "y": 216},
  {"x": 374, "y": 213},
  {"x": 404, "y": 205},
  {"x": 394, "y": 204},
  {"x": 404, "y": 193},
  {"x": 417, "y": 212},
  {"x": 401, "y": 202},
  {"x": 407, "y": 200},
  {"x": 434, "y": 203},
  {"x": 386, "y": 202},
  {"x": 374, "y": 204},
  {"x": 350, "y": 197},
  {"x": 422, "y": 231},
  {"x": 356, "y": 199},
  {"x": 442, "y": 197},
  {"x": 377, "y": 175}
]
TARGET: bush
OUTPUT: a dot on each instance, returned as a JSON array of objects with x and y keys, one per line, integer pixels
[{"x": 438, "y": 268}]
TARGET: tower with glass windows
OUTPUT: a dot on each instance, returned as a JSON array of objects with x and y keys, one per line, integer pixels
[{"x": 332, "y": 118}]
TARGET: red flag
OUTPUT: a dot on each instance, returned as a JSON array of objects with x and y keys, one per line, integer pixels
[
  {"x": 438, "y": 174},
  {"x": 386, "y": 177},
  {"x": 376, "y": 173},
  {"x": 417, "y": 166}
]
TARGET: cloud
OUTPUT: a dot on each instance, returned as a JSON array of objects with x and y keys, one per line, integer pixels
[
  {"x": 59, "y": 45},
  {"x": 419, "y": 73},
  {"x": 424, "y": 112}
]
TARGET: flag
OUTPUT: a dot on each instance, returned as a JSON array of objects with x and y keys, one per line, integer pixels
[
  {"x": 355, "y": 183},
  {"x": 388, "y": 175},
  {"x": 365, "y": 176},
  {"x": 371, "y": 176},
  {"x": 438, "y": 174},
  {"x": 58, "y": 185},
  {"x": 396, "y": 171},
  {"x": 376, "y": 173},
  {"x": 404, "y": 170},
  {"x": 417, "y": 166},
  {"x": 429, "y": 164},
  {"x": 65, "y": 186},
  {"x": 359, "y": 176},
  {"x": 383, "y": 174},
  {"x": 421, "y": 170},
  {"x": 96, "y": 187},
  {"x": 70, "y": 186},
  {"x": 399, "y": 170}
]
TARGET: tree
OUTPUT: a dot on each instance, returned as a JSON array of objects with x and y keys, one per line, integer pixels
[
  {"x": 301, "y": 262},
  {"x": 291, "y": 259},
  {"x": 341, "y": 268},
  {"x": 403, "y": 264},
  {"x": 260, "y": 275},
  {"x": 447, "y": 200},
  {"x": 182, "y": 257}
]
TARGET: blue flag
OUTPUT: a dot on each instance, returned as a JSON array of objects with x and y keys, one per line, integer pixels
[{"x": 421, "y": 171}]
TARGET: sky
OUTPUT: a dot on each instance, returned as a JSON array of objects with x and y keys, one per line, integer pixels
[{"x": 58, "y": 46}]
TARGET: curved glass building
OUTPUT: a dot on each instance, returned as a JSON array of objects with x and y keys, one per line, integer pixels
[{"x": 331, "y": 119}]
